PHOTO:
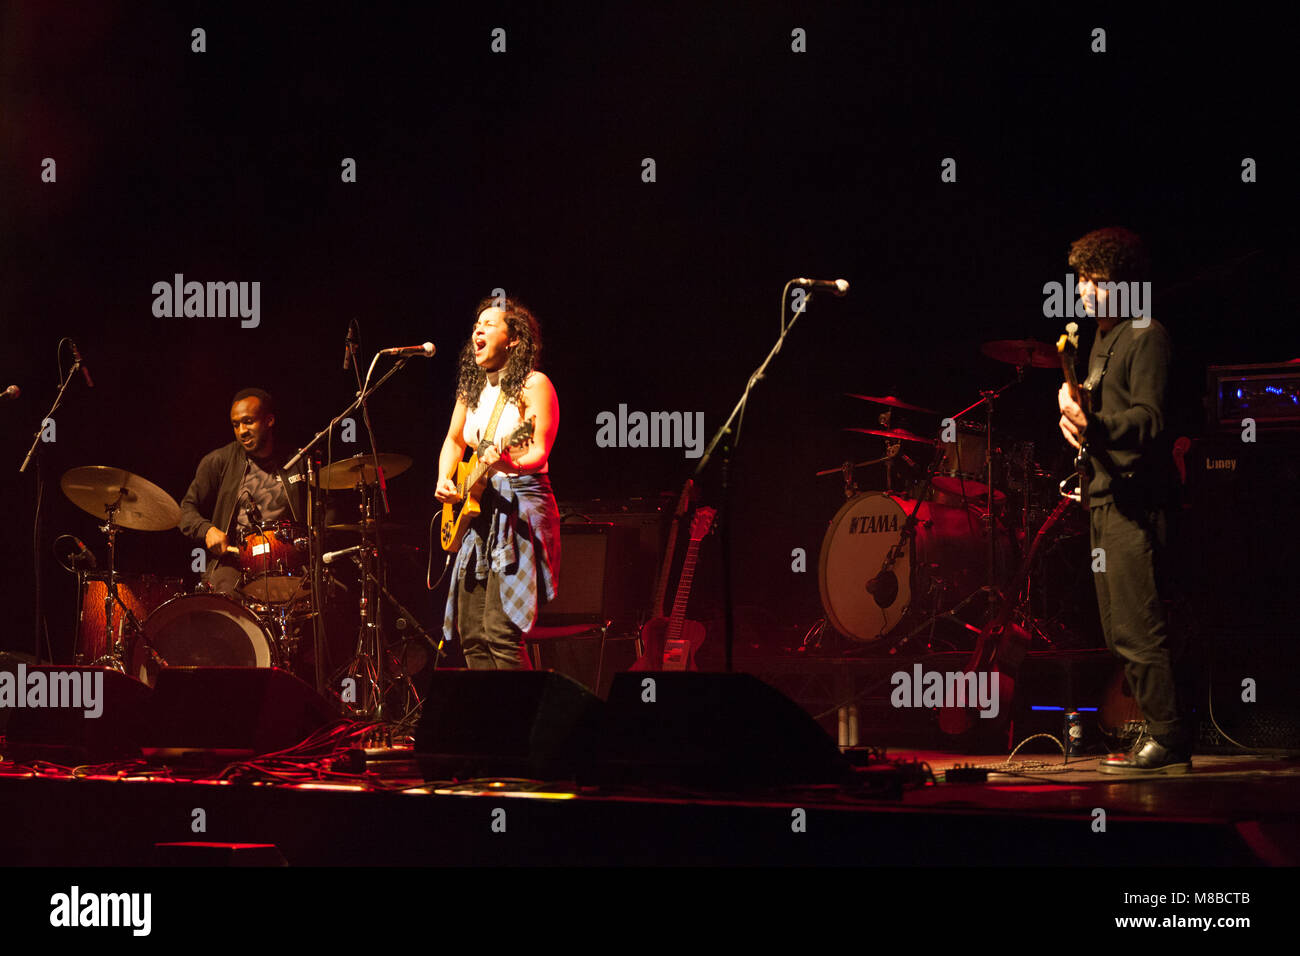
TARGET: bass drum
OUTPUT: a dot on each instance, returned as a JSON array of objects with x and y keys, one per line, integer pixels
[
  {"x": 202, "y": 630},
  {"x": 946, "y": 560}
]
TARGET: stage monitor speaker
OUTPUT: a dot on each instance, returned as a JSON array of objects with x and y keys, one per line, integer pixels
[
  {"x": 535, "y": 724},
  {"x": 710, "y": 730},
  {"x": 231, "y": 713},
  {"x": 58, "y": 728}
]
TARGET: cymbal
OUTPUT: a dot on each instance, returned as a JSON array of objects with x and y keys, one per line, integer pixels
[
  {"x": 893, "y": 402},
  {"x": 141, "y": 505},
  {"x": 897, "y": 434},
  {"x": 1022, "y": 352},
  {"x": 361, "y": 469}
]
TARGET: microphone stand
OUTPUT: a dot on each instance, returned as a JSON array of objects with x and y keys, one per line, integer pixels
[
  {"x": 723, "y": 517},
  {"x": 316, "y": 536},
  {"x": 40, "y": 489}
]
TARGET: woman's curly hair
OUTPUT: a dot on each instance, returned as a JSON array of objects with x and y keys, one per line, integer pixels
[
  {"x": 524, "y": 357},
  {"x": 1110, "y": 255}
]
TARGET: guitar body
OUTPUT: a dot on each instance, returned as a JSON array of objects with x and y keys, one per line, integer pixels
[
  {"x": 458, "y": 515},
  {"x": 470, "y": 481},
  {"x": 670, "y": 643},
  {"x": 663, "y": 652}
]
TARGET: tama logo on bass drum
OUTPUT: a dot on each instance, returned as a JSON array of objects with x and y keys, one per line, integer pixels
[{"x": 874, "y": 524}]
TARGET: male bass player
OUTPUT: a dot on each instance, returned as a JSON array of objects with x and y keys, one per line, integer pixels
[
  {"x": 509, "y": 559},
  {"x": 239, "y": 484},
  {"x": 1129, "y": 449}
]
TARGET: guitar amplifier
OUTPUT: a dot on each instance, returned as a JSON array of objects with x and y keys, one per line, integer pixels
[
  {"x": 1241, "y": 530},
  {"x": 1267, "y": 394},
  {"x": 603, "y": 577}
]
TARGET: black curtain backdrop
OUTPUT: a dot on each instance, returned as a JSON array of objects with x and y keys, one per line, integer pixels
[{"x": 523, "y": 170}]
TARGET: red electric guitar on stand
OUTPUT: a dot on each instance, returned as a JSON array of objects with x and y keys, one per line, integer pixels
[{"x": 671, "y": 643}]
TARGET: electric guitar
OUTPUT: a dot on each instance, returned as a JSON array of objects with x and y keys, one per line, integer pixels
[
  {"x": 661, "y": 582},
  {"x": 457, "y": 515},
  {"x": 672, "y": 642},
  {"x": 1067, "y": 346}
]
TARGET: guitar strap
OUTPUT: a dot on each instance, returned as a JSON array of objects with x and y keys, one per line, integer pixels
[
  {"x": 491, "y": 429},
  {"x": 1098, "y": 370}
]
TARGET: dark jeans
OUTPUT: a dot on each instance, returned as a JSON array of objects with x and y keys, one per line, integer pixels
[
  {"x": 1131, "y": 595},
  {"x": 488, "y": 637}
]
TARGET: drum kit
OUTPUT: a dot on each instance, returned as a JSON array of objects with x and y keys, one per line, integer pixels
[
  {"x": 945, "y": 532},
  {"x": 139, "y": 624}
]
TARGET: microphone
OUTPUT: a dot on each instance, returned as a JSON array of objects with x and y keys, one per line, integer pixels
[
  {"x": 76, "y": 357},
  {"x": 411, "y": 351},
  {"x": 84, "y": 555},
  {"x": 837, "y": 287},
  {"x": 349, "y": 344},
  {"x": 330, "y": 557},
  {"x": 13, "y": 391},
  {"x": 884, "y": 588}
]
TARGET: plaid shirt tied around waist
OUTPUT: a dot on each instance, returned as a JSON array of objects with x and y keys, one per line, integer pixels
[{"x": 522, "y": 548}]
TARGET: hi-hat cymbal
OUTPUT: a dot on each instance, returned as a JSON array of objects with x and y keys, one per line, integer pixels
[
  {"x": 360, "y": 469},
  {"x": 897, "y": 434},
  {"x": 140, "y": 504},
  {"x": 1022, "y": 352},
  {"x": 894, "y": 402}
]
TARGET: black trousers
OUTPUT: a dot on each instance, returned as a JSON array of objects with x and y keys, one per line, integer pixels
[
  {"x": 490, "y": 640},
  {"x": 1132, "y": 593}
]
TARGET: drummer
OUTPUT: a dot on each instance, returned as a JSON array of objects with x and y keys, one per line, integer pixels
[{"x": 241, "y": 485}]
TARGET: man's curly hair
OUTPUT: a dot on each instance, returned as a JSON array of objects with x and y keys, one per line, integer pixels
[
  {"x": 524, "y": 357},
  {"x": 1110, "y": 255}
]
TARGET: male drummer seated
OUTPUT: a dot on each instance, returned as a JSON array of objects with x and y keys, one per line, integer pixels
[{"x": 239, "y": 484}]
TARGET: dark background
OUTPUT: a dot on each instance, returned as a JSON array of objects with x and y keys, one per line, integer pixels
[{"x": 523, "y": 171}]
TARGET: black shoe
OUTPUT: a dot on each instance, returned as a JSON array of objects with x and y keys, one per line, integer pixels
[{"x": 1148, "y": 756}]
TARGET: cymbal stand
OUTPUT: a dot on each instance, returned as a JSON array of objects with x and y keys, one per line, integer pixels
[
  {"x": 987, "y": 398},
  {"x": 116, "y": 658},
  {"x": 392, "y": 658},
  {"x": 366, "y": 662}
]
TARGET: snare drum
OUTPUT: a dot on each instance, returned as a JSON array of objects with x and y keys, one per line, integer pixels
[
  {"x": 273, "y": 561},
  {"x": 202, "y": 630},
  {"x": 963, "y": 473}
]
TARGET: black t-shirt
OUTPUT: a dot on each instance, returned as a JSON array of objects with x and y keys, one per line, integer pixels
[
  {"x": 1128, "y": 433},
  {"x": 261, "y": 487}
]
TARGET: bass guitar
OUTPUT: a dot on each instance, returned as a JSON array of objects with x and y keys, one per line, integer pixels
[{"x": 1067, "y": 346}]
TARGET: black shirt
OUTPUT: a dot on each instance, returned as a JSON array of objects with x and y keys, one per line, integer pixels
[{"x": 1127, "y": 431}]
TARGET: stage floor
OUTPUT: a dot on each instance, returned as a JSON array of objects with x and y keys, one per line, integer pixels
[{"x": 1230, "y": 811}]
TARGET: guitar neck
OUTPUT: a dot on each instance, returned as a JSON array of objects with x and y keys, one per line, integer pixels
[
  {"x": 474, "y": 476},
  {"x": 661, "y": 585},
  {"x": 683, "y": 592}
]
